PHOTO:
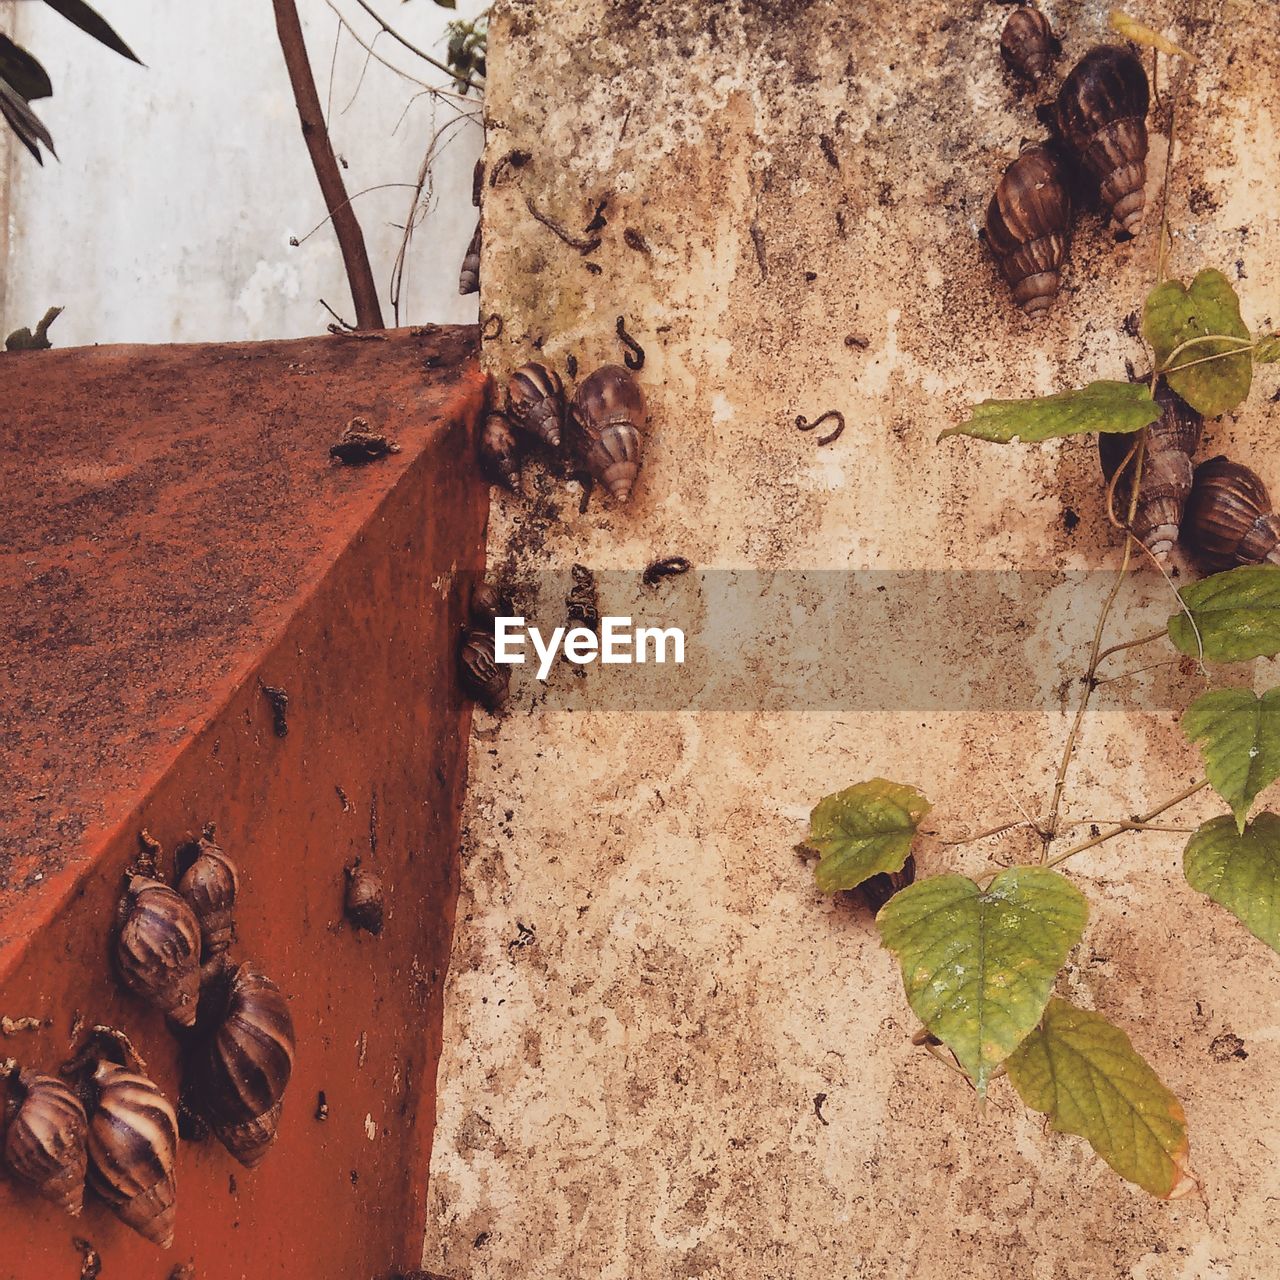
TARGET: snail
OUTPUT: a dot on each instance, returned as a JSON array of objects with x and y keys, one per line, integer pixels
[
  {"x": 483, "y": 678},
  {"x": 1171, "y": 441},
  {"x": 536, "y": 399},
  {"x": 1027, "y": 43},
  {"x": 609, "y": 413},
  {"x": 487, "y": 603},
  {"x": 499, "y": 450},
  {"x": 469, "y": 276},
  {"x": 243, "y": 1064},
  {"x": 1101, "y": 114},
  {"x": 1229, "y": 520},
  {"x": 364, "y": 904},
  {"x": 47, "y": 1140},
  {"x": 209, "y": 886},
  {"x": 1029, "y": 226},
  {"x": 158, "y": 948}
]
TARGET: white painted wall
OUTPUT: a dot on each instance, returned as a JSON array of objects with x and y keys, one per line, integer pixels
[{"x": 169, "y": 214}]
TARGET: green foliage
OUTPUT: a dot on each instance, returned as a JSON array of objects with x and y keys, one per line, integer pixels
[
  {"x": 1267, "y": 349},
  {"x": 978, "y": 966},
  {"x": 468, "y": 47},
  {"x": 1086, "y": 1076},
  {"x": 864, "y": 830},
  {"x": 1191, "y": 329},
  {"x": 1101, "y": 406},
  {"x": 1239, "y": 736},
  {"x": 1240, "y": 870},
  {"x": 1236, "y": 614}
]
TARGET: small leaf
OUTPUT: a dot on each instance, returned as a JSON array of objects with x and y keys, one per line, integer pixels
[
  {"x": 447, "y": 4},
  {"x": 1239, "y": 736},
  {"x": 92, "y": 22},
  {"x": 1213, "y": 377},
  {"x": 1240, "y": 870},
  {"x": 1237, "y": 614},
  {"x": 1139, "y": 33},
  {"x": 23, "y": 71},
  {"x": 864, "y": 830},
  {"x": 1267, "y": 349},
  {"x": 23, "y": 121},
  {"x": 978, "y": 967},
  {"x": 1101, "y": 406},
  {"x": 1086, "y": 1076}
]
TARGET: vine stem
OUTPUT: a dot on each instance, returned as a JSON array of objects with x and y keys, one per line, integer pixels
[
  {"x": 1139, "y": 823},
  {"x": 413, "y": 48},
  {"x": 1132, "y": 644}
]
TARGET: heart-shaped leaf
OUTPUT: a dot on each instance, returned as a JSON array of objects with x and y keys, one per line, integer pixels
[
  {"x": 1086, "y": 1076},
  {"x": 1214, "y": 374},
  {"x": 1239, "y": 736},
  {"x": 978, "y": 966},
  {"x": 864, "y": 830},
  {"x": 1101, "y": 406},
  {"x": 1236, "y": 615},
  {"x": 1240, "y": 870}
]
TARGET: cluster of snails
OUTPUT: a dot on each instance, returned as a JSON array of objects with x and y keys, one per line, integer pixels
[
  {"x": 1100, "y": 137},
  {"x": 601, "y": 428},
  {"x": 484, "y": 679}
]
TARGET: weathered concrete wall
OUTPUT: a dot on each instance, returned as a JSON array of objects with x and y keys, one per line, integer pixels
[
  {"x": 168, "y": 216},
  {"x": 630, "y": 1090}
]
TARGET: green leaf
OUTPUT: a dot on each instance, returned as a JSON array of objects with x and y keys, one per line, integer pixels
[
  {"x": 1086, "y": 1076},
  {"x": 23, "y": 71},
  {"x": 1101, "y": 406},
  {"x": 1239, "y": 737},
  {"x": 978, "y": 967},
  {"x": 1240, "y": 870},
  {"x": 1237, "y": 614},
  {"x": 92, "y": 22},
  {"x": 1174, "y": 315},
  {"x": 1267, "y": 349},
  {"x": 864, "y": 830}
]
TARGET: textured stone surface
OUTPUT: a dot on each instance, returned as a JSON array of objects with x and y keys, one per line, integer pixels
[{"x": 629, "y": 1082}]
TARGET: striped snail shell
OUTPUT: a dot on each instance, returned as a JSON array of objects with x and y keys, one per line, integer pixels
[
  {"x": 499, "y": 451},
  {"x": 1102, "y": 116},
  {"x": 1229, "y": 520},
  {"x": 158, "y": 948},
  {"x": 469, "y": 276},
  {"x": 365, "y": 902},
  {"x": 1027, "y": 43},
  {"x": 536, "y": 398},
  {"x": 1029, "y": 226},
  {"x": 1171, "y": 442},
  {"x": 47, "y": 1141},
  {"x": 244, "y": 1065},
  {"x": 133, "y": 1144},
  {"x": 209, "y": 886},
  {"x": 483, "y": 678},
  {"x": 609, "y": 412}
]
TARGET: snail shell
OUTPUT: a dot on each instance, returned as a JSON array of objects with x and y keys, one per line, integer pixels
[
  {"x": 609, "y": 411},
  {"x": 244, "y": 1066},
  {"x": 500, "y": 451},
  {"x": 133, "y": 1142},
  {"x": 158, "y": 948},
  {"x": 1029, "y": 226},
  {"x": 469, "y": 276},
  {"x": 46, "y": 1145},
  {"x": 482, "y": 677},
  {"x": 365, "y": 904},
  {"x": 1229, "y": 520},
  {"x": 1102, "y": 115},
  {"x": 209, "y": 887},
  {"x": 536, "y": 397},
  {"x": 487, "y": 604},
  {"x": 1027, "y": 43},
  {"x": 1166, "y": 471}
]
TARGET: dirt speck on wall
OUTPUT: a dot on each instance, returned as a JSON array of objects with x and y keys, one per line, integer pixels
[{"x": 648, "y": 997}]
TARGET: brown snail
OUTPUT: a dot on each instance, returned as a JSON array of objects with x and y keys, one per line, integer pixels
[
  {"x": 46, "y": 1144},
  {"x": 499, "y": 450},
  {"x": 1029, "y": 226},
  {"x": 483, "y": 677},
  {"x": 1229, "y": 520},
  {"x": 469, "y": 276},
  {"x": 244, "y": 1064},
  {"x": 536, "y": 400},
  {"x": 158, "y": 948},
  {"x": 487, "y": 603},
  {"x": 209, "y": 886},
  {"x": 609, "y": 413},
  {"x": 1165, "y": 483},
  {"x": 1027, "y": 43},
  {"x": 1102, "y": 116},
  {"x": 365, "y": 902}
]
